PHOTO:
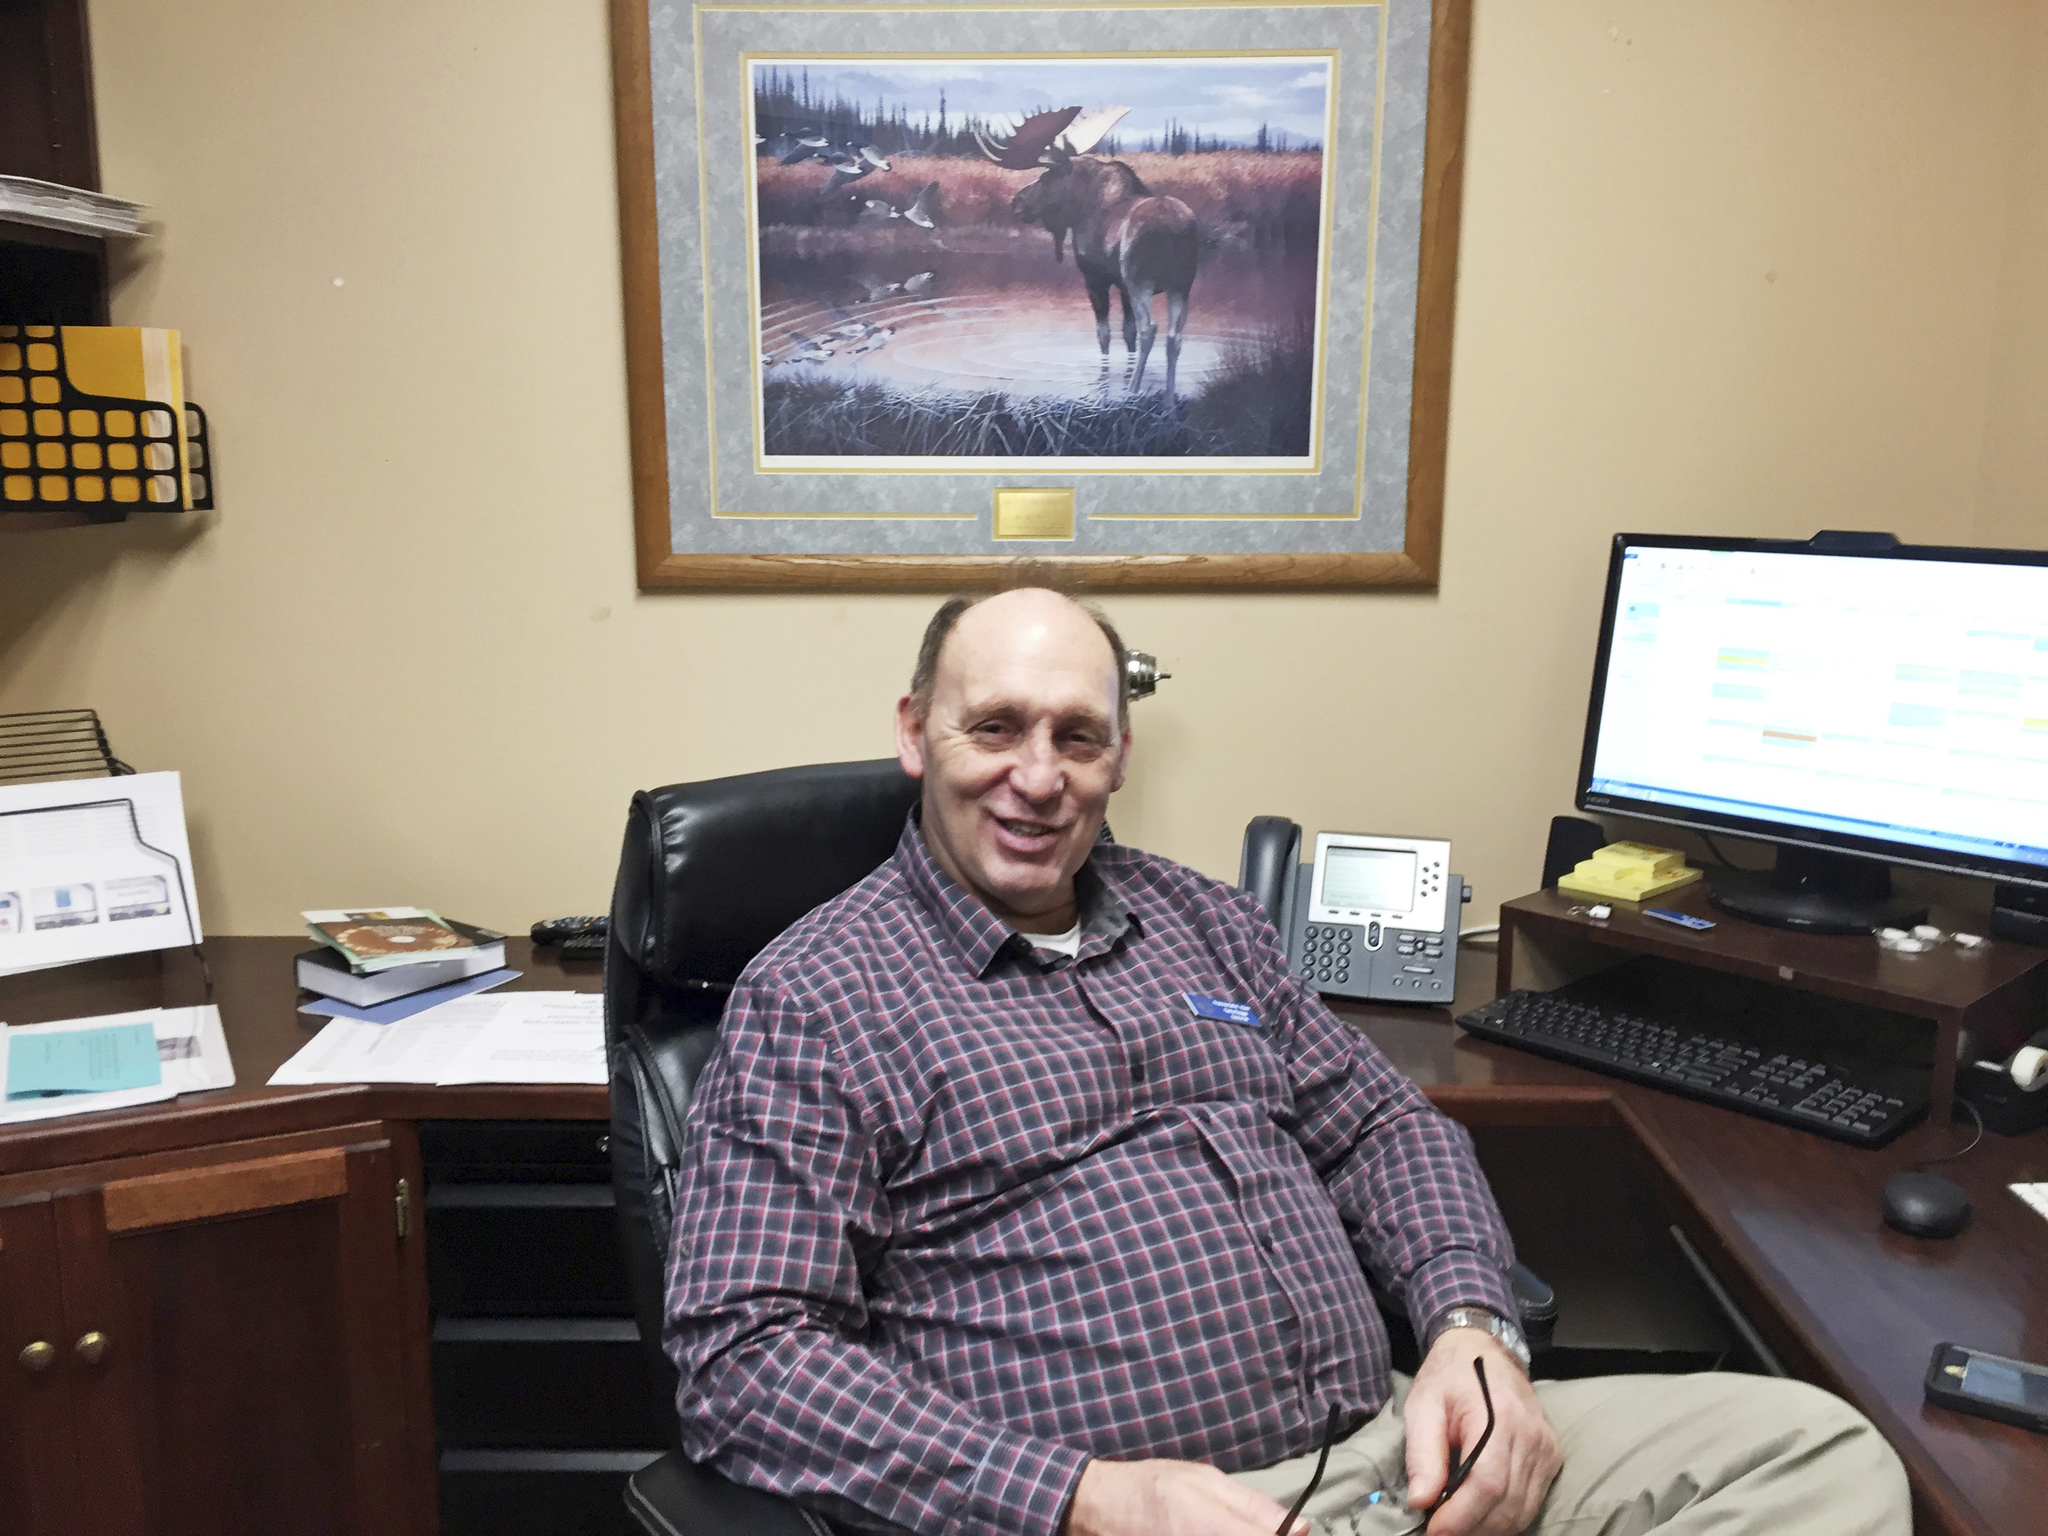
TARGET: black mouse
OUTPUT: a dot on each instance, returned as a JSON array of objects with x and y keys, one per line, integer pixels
[{"x": 1925, "y": 1205}]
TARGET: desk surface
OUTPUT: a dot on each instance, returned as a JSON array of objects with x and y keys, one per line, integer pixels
[{"x": 1789, "y": 1221}]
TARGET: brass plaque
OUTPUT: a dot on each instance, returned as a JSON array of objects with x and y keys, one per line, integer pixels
[{"x": 1023, "y": 513}]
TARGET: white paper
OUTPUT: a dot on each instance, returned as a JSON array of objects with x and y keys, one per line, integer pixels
[
  {"x": 193, "y": 1049},
  {"x": 414, "y": 1050},
  {"x": 92, "y": 867},
  {"x": 540, "y": 1037},
  {"x": 18, "y": 1111},
  {"x": 2035, "y": 1195}
]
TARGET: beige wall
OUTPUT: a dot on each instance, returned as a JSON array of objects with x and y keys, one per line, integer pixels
[
  {"x": 2012, "y": 504},
  {"x": 1730, "y": 267}
]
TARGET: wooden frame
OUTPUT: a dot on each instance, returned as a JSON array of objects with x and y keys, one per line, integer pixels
[{"x": 1414, "y": 564}]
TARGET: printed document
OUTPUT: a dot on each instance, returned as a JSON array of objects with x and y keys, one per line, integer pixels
[
  {"x": 192, "y": 1055},
  {"x": 92, "y": 867},
  {"x": 503, "y": 1037}
]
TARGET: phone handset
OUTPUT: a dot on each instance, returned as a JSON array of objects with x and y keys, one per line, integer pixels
[{"x": 1369, "y": 917}]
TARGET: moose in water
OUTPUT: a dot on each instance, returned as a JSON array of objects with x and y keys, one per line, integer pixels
[{"x": 1125, "y": 236}]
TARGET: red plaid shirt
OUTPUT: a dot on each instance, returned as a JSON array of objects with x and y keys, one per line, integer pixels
[{"x": 958, "y": 1214}]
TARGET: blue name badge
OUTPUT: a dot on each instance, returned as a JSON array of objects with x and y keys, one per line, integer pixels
[{"x": 1223, "y": 1012}]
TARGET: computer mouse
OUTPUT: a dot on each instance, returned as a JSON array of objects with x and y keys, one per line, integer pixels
[{"x": 1925, "y": 1205}]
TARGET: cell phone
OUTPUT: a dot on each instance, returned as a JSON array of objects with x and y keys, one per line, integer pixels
[{"x": 1991, "y": 1386}]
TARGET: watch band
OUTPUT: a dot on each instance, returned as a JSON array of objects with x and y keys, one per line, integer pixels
[{"x": 1507, "y": 1334}]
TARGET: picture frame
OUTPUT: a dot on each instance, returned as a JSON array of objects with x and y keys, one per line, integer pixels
[{"x": 734, "y": 485}]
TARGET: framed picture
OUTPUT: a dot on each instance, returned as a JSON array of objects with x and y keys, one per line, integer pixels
[{"x": 1160, "y": 292}]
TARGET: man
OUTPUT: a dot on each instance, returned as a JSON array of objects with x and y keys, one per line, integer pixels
[{"x": 984, "y": 1227}]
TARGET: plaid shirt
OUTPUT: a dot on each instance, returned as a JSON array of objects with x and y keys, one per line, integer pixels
[{"x": 958, "y": 1214}]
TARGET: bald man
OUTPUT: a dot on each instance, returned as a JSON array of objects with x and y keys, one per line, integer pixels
[{"x": 992, "y": 1220}]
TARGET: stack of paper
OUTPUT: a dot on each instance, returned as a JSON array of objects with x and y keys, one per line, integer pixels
[
  {"x": 56, "y": 206},
  {"x": 511, "y": 1037},
  {"x": 190, "y": 1054},
  {"x": 1628, "y": 872}
]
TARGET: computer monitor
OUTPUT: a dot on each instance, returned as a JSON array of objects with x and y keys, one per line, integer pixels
[{"x": 1858, "y": 702}]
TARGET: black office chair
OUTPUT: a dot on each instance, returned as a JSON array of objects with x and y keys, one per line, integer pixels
[{"x": 711, "y": 872}]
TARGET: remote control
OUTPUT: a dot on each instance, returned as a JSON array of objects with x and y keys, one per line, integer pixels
[
  {"x": 584, "y": 946},
  {"x": 555, "y": 930},
  {"x": 1683, "y": 919}
]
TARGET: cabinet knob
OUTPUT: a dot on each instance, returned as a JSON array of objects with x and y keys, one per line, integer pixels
[
  {"x": 91, "y": 1347},
  {"x": 37, "y": 1356}
]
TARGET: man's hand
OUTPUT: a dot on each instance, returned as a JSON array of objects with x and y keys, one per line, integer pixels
[
  {"x": 1169, "y": 1498},
  {"x": 1444, "y": 1409}
]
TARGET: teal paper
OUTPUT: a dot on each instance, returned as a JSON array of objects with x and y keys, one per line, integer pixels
[{"x": 83, "y": 1060}]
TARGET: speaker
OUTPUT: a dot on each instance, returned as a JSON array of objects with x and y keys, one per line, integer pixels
[
  {"x": 2019, "y": 912},
  {"x": 1572, "y": 838}
]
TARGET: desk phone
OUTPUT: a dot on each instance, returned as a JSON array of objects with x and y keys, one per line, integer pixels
[{"x": 1370, "y": 917}]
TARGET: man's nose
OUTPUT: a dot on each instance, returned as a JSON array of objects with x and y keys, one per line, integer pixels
[{"x": 1037, "y": 773}]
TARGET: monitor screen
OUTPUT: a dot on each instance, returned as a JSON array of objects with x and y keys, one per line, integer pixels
[{"x": 1893, "y": 704}]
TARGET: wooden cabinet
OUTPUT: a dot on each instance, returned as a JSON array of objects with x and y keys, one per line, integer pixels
[{"x": 214, "y": 1340}]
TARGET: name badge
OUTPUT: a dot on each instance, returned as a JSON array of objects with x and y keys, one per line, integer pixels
[{"x": 1218, "y": 1009}]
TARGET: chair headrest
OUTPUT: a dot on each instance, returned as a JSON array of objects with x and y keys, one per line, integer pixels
[{"x": 712, "y": 871}]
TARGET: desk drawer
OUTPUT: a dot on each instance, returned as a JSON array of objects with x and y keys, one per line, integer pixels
[
  {"x": 524, "y": 1250},
  {"x": 546, "y": 1383}
]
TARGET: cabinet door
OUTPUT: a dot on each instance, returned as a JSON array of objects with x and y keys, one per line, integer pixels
[
  {"x": 234, "y": 1341},
  {"x": 38, "y": 1481}
]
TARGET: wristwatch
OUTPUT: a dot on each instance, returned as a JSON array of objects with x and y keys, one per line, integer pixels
[{"x": 1503, "y": 1332}]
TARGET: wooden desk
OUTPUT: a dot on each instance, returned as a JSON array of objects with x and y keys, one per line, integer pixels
[{"x": 1788, "y": 1221}]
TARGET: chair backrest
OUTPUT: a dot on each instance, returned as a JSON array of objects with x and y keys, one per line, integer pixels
[{"x": 709, "y": 874}]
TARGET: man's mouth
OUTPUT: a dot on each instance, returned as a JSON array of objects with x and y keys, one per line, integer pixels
[{"x": 1025, "y": 829}]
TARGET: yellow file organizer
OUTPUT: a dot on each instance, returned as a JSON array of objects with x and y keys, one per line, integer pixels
[{"x": 93, "y": 419}]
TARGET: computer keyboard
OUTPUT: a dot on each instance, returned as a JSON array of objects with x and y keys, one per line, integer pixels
[{"x": 1864, "y": 1107}]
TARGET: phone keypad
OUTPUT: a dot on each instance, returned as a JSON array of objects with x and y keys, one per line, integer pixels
[{"x": 1326, "y": 952}]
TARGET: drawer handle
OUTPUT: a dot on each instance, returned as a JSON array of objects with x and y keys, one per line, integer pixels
[
  {"x": 36, "y": 1358},
  {"x": 91, "y": 1347}
]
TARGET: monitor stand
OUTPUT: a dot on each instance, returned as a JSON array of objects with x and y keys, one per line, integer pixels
[{"x": 1815, "y": 892}]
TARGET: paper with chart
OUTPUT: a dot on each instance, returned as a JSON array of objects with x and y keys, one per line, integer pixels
[{"x": 92, "y": 867}]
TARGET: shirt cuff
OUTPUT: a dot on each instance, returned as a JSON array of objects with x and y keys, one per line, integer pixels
[
  {"x": 1023, "y": 1485},
  {"x": 1460, "y": 1278}
]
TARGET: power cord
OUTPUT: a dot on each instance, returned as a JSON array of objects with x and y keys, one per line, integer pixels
[
  {"x": 1976, "y": 1115},
  {"x": 1715, "y": 849}
]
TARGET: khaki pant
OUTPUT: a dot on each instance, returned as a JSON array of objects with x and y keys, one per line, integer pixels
[{"x": 1708, "y": 1455}]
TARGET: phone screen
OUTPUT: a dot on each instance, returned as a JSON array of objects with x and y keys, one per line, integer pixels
[
  {"x": 1369, "y": 879},
  {"x": 1997, "y": 1381}
]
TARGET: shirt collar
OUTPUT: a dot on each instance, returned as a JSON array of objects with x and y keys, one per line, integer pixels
[{"x": 976, "y": 933}]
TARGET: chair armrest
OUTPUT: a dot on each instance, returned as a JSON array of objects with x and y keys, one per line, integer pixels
[
  {"x": 676, "y": 1497},
  {"x": 1537, "y": 1304}
]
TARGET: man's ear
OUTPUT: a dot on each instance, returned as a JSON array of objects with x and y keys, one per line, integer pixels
[
  {"x": 910, "y": 737},
  {"x": 1123, "y": 761}
]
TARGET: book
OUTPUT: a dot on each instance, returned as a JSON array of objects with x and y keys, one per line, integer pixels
[
  {"x": 326, "y": 972},
  {"x": 375, "y": 939}
]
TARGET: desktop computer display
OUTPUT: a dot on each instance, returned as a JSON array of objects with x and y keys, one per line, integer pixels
[{"x": 1855, "y": 701}]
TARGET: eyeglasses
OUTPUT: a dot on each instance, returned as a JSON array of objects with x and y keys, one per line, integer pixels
[
  {"x": 1460, "y": 1470},
  {"x": 1322, "y": 1461}
]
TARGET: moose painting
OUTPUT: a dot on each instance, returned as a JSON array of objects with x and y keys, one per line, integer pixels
[{"x": 1016, "y": 261}]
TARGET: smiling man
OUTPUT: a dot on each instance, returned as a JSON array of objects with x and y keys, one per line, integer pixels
[{"x": 1030, "y": 1192}]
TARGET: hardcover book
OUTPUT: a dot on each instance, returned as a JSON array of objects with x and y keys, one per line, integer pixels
[{"x": 375, "y": 939}]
